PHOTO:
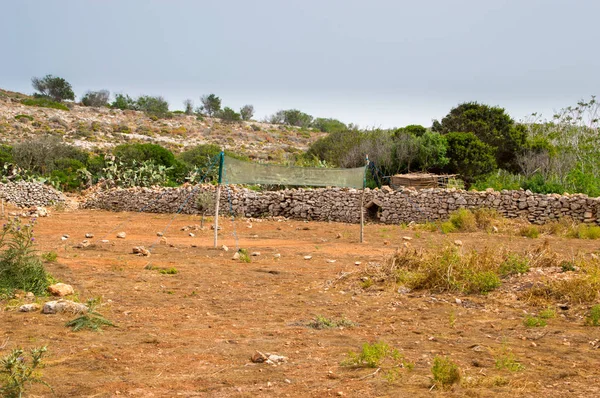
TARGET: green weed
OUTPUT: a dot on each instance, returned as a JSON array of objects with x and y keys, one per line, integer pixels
[
  {"x": 169, "y": 271},
  {"x": 50, "y": 257},
  {"x": 372, "y": 355},
  {"x": 506, "y": 359},
  {"x": 44, "y": 103},
  {"x": 513, "y": 264},
  {"x": 445, "y": 372},
  {"x": 320, "y": 322},
  {"x": 91, "y": 319},
  {"x": 244, "y": 256},
  {"x": 593, "y": 318},
  {"x": 534, "y": 322},
  {"x": 530, "y": 231},
  {"x": 16, "y": 373}
]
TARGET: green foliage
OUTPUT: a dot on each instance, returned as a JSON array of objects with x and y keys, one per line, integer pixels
[
  {"x": 66, "y": 174},
  {"x": 584, "y": 231},
  {"x": 244, "y": 256},
  {"x": 133, "y": 174},
  {"x": 414, "y": 129},
  {"x": 95, "y": 98},
  {"x": 530, "y": 231},
  {"x": 44, "y": 103},
  {"x": 211, "y": 104},
  {"x": 50, "y": 256},
  {"x": 246, "y": 112},
  {"x": 432, "y": 149},
  {"x": 20, "y": 267},
  {"x": 534, "y": 322},
  {"x": 139, "y": 153},
  {"x": 53, "y": 87},
  {"x": 506, "y": 359},
  {"x": 153, "y": 106},
  {"x": 548, "y": 313},
  {"x": 463, "y": 220},
  {"x": 593, "y": 317},
  {"x": 320, "y": 322},
  {"x": 469, "y": 156},
  {"x": 123, "y": 102},
  {"x": 514, "y": 264},
  {"x": 169, "y": 271},
  {"x": 189, "y": 107},
  {"x": 201, "y": 161},
  {"x": 26, "y": 117},
  {"x": 91, "y": 319},
  {"x": 372, "y": 355},
  {"x": 329, "y": 125},
  {"x": 228, "y": 115},
  {"x": 294, "y": 117},
  {"x": 492, "y": 125},
  {"x": 45, "y": 155},
  {"x": 16, "y": 373},
  {"x": 445, "y": 372}
]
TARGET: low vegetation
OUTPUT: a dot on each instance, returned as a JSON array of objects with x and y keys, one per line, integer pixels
[
  {"x": 320, "y": 322},
  {"x": 91, "y": 319},
  {"x": 17, "y": 373},
  {"x": 445, "y": 372}
]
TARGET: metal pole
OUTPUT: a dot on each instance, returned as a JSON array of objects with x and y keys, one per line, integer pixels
[{"x": 362, "y": 202}]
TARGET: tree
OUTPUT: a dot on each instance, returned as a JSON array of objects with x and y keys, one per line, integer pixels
[
  {"x": 294, "y": 117},
  {"x": 413, "y": 129},
  {"x": 228, "y": 115},
  {"x": 492, "y": 125},
  {"x": 153, "y": 106},
  {"x": 54, "y": 87},
  {"x": 95, "y": 98},
  {"x": 189, "y": 106},
  {"x": 469, "y": 156},
  {"x": 211, "y": 104},
  {"x": 328, "y": 125},
  {"x": 431, "y": 152},
  {"x": 246, "y": 112},
  {"x": 124, "y": 102},
  {"x": 407, "y": 150}
]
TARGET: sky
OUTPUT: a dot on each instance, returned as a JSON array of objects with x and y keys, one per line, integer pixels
[{"x": 375, "y": 63}]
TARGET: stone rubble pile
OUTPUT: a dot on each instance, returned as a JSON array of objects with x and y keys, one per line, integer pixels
[
  {"x": 343, "y": 205},
  {"x": 29, "y": 194}
]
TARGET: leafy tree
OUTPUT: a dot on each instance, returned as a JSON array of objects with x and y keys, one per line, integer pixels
[
  {"x": 140, "y": 153},
  {"x": 211, "y": 104},
  {"x": 53, "y": 87},
  {"x": 413, "y": 129},
  {"x": 201, "y": 159},
  {"x": 294, "y": 117},
  {"x": 153, "y": 106},
  {"x": 246, "y": 112},
  {"x": 95, "y": 98},
  {"x": 328, "y": 125},
  {"x": 431, "y": 152},
  {"x": 492, "y": 125},
  {"x": 124, "y": 102},
  {"x": 407, "y": 151},
  {"x": 189, "y": 106},
  {"x": 276, "y": 118},
  {"x": 469, "y": 156},
  {"x": 40, "y": 156},
  {"x": 228, "y": 115},
  {"x": 334, "y": 148}
]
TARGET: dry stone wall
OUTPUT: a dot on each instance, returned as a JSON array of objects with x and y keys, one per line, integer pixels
[
  {"x": 336, "y": 204},
  {"x": 28, "y": 194}
]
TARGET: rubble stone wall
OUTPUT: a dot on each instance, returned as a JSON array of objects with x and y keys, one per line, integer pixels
[
  {"x": 337, "y": 204},
  {"x": 28, "y": 194}
]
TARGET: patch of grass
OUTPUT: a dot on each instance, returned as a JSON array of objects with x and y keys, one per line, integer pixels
[
  {"x": 593, "y": 317},
  {"x": 530, "y": 231},
  {"x": 26, "y": 117},
  {"x": 244, "y": 256},
  {"x": 50, "y": 256},
  {"x": 548, "y": 313},
  {"x": 445, "y": 372},
  {"x": 567, "y": 266},
  {"x": 91, "y": 319},
  {"x": 463, "y": 220},
  {"x": 44, "y": 103},
  {"x": 366, "y": 283},
  {"x": 514, "y": 264},
  {"x": 506, "y": 359},
  {"x": 169, "y": 271},
  {"x": 584, "y": 231},
  {"x": 375, "y": 355},
  {"x": 534, "y": 322},
  {"x": 485, "y": 218},
  {"x": 16, "y": 373},
  {"x": 320, "y": 322}
]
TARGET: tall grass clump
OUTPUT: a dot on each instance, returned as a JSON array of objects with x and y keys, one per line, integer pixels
[
  {"x": 584, "y": 231},
  {"x": 445, "y": 372},
  {"x": 461, "y": 220},
  {"x": 20, "y": 267}
]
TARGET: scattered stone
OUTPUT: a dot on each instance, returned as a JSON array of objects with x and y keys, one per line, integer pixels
[
  {"x": 255, "y": 254},
  {"x": 56, "y": 307},
  {"x": 159, "y": 234},
  {"x": 403, "y": 290},
  {"x": 458, "y": 301},
  {"x": 458, "y": 243},
  {"x": 407, "y": 238},
  {"x": 29, "y": 307},
  {"x": 89, "y": 235},
  {"x": 236, "y": 256},
  {"x": 357, "y": 263},
  {"x": 84, "y": 243},
  {"x": 274, "y": 359},
  {"x": 495, "y": 229},
  {"x": 307, "y": 257},
  {"x": 66, "y": 236},
  {"x": 141, "y": 251},
  {"x": 338, "y": 236},
  {"x": 162, "y": 241},
  {"x": 224, "y": 248},
  {"x": 331, "y": 261},
  {"x": 60, "y": 289},
  {"x": 121, "y": 235},
  {"x": 386, "y": 242},
  {"x": 192, "y": 234},
  {"x": 258, "y": 357},
  {"x": 105, "y": 241},
  {"x": 276, "y": 255}
]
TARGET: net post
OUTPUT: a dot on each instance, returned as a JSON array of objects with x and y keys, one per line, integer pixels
[
  {"x": 218, "y": 198},
  {"x": 362, "y": 202}
]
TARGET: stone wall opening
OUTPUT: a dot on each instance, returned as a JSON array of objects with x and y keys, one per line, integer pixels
[{"x": 373, "y": 211}]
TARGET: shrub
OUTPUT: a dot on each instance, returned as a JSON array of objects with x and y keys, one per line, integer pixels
[
  {"x": 211, "y": 104},
  {"x": 445, "y": 372},
  {"x": 123, "y": 102},
  {"x": 533, "y": 322},
  {"x": 169, "y": 271},
  {"x": 43, "y": 155},
  {"x": 128, "y": 153},
  {"x": 16, "y": 373},
  {"x": 584, "y": 231},
  {"x": 50, "y": 257},
  {"x": 593, "y": 318},
  {"x": 514, "y": 264},
  {"x": 507, "y": 360},
  {"x": 26, "y": 117},
  {"x": 372, "y": 355},
  {"x": 320, "y": 322},
  {"x": 469, "y": 156},
  {"x": 228, "y": 115},
  {"x": 246, "y": 112},
  {"x": 244, "y": 256},
  {"x": 95, "y": 98},
  {"x": 153, "y": 106},
  {"x": 463, "y": 220},
  {"x": 20, "y": 268},
  {"x": 44, "y": 103},
  {"x": 53, "y": 87}
]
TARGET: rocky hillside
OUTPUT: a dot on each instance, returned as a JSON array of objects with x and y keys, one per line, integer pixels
[{"x": 99, "y": 129}]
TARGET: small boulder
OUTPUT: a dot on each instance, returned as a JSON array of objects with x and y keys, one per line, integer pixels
[
  {"x": 258, "y": 357},
  {"x": 255, "y": 254},
  {"x": 89, "y": 235},
  {"x": 29, "y": 307},
  {"x": 162, "y": 241},
  {"x": 236, "y": 256},
  {"x": 60, "y": 289},
  {"x": 56, "y": 307},
  {"x": 141, "y": 251},
  {"x": 307, "y": 257},
  {"x": 121, "y": 235},
  {"x": 224, "y": 248},
  {"x": 458, "y": 243}
]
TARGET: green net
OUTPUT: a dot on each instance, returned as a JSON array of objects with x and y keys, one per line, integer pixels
[{"x": 240, "y": 172}]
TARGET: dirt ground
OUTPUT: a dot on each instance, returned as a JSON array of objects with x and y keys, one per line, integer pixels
[{"x": 193, "y": 333}]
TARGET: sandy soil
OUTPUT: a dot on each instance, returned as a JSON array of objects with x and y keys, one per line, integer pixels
[{"x": 193, "y": 333}]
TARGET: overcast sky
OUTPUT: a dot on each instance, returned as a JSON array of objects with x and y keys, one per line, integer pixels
[{"x": 379, "y": 63}]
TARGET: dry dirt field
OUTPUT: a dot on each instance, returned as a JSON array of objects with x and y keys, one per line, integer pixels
[{"x": 192, "y": 334}]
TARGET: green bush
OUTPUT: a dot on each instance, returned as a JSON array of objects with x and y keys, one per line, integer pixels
[
  {"x": 20, "y": 267},
  {"x": 593, "y": 318},
  {"x": 53, "y": 87},
  {"x": 514, "y": 264},
  {"x": 463, "y": 220},
  {"x": 530, "y": 231},
  {"x": 26, "y": 117},
  {"x": 445, "y": 372},
  {"x": 372, "y": 355},
  {"x": 95, "y": 98},
  {"x": 44, "y": 103},
  {"x": 469, "y": 156},
  {"x": 16, "y": 373}
]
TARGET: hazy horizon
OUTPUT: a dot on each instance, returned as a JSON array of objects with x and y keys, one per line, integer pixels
[{"x": 381, "y": 64}]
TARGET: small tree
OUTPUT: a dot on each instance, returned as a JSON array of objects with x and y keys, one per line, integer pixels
[
  {"x": 95, "y": 98},
  {"x": 54, "y": 87},
  {"x": 469, "y": 156},
  {"x": 153, "y": 106},
  {"x": 228, "y": 115},
  {"x": 189, "y": 106},
  {"x": 211, "y": 104},
  {"x": 124, "y": 102},
  {"x": 294, "y": 117},
  {"x": 246, "y": 112}
]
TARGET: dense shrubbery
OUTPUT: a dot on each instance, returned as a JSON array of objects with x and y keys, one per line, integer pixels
[
  {"x": 44, "y": 103},
  {"x": 95, "y": 98}
]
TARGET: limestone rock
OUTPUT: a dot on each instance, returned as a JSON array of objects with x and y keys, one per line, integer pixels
[
  {"x": 29, "y": 307},
  {"x": 60, "y": 289},
  {"x": 59, "y": 306},
  {"x": 121, "y": 235}
]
